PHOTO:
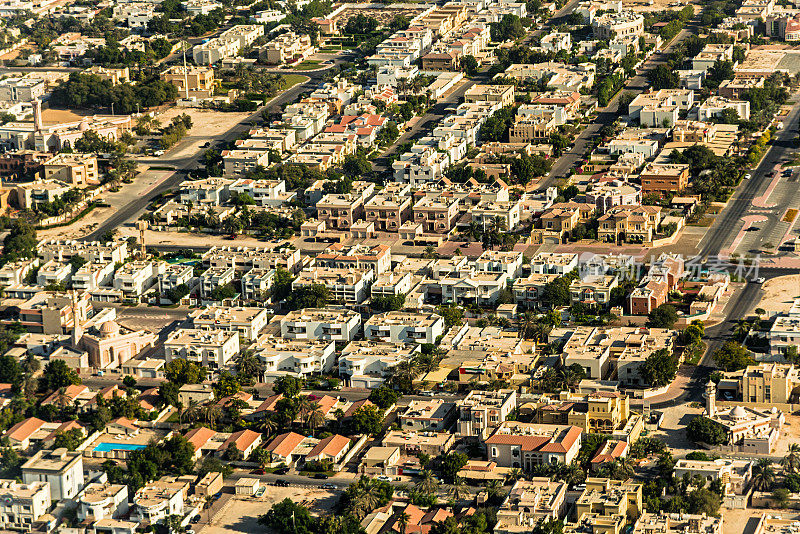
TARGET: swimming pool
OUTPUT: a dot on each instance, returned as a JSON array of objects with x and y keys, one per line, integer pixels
[{"x": 106, "y": 447}]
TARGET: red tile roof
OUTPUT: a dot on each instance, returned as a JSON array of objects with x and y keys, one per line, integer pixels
[
  {"x": 330, "y": 446},
  {"x": 285, "y": 444}
]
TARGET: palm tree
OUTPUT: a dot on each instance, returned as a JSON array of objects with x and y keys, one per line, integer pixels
[
  {"x": 307, "y": 407},
  {"x": 62, "y": 399},
  {"x": 791, "y": 462},
  {"x": 494, "y": 488},
  {"x": 427, "y": 484},
  {"x": 209, "y": 499},
  {"x": 763, "y": 475},
  {"x": 515, "y": 474},
  {"x": 31, "y": 364},
  {"x": 268, "y": 425},
  {"x": 622, "y": 469},
  {"x": 458, "y": 489},
  {"x": 29, "y": 385},
  {"x": 212, "y": 413},
  {"x": 402, "y": 520},
  {"x": 249, "y": 365},
  {"x": 316, "y": 419},
  {"x": 190, "y": 412}
]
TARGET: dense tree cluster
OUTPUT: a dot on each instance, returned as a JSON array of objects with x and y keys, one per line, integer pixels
[{"x": 88, "y": 91}]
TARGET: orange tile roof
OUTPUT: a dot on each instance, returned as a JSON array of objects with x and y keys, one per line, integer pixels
[
  {"x": 331, "y": 446},
  {"x": 243, "y": 439},
  {"x": 24, "y": 429},
  {"x": 199, "y": 436},
  {"x": 285, "y": 444}
]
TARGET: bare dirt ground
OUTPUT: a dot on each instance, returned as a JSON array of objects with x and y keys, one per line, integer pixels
[
  {"x": 241, "y": 514},
  {"x": 57, "y": 116},
  {"x": 779, "y": 293},
  {"x": 206, "y": 125},
  {"x": 143, "y": 183}
]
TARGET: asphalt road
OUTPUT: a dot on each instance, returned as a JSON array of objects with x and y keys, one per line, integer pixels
[{"x": 728, "y": 223}]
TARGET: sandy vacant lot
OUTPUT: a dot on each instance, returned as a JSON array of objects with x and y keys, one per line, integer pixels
[
  {"x": 241, "y": 513},
  {"x": 56, "y": 116},
  {"x": 779, "y": 293}
]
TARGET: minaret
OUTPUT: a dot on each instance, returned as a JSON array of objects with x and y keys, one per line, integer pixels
[
  {"x": 142, "y": 226},
  {"x": 37, "y": 115},
  {"x": 77, "y": 320},
  {"x": 711, "y": 399}
]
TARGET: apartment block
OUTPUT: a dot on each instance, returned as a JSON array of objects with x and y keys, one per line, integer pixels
[
  {"x": 404, "y": 327},
  {"x": 664, "y": 179},
  {"x": 213, "y": 349},
  {"x": 337, "y": 324},
  {"x": 483, "y": 411},
  {"x": 197, "y": 80},
  {"x": 287, "y": 48},
  {"x": 345, "y": 285}
]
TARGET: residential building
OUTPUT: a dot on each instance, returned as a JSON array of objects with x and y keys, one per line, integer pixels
[
  {"x": 288, "y": 48},
  {"x": 241, "y": 161},
  {"x": 500, "y": 94},
  {"x": 734, "y": 473},
  {"x": 530, "y": 502},
  {"x": 433, "y": 415},
  {"x": 345, "y": 285},
  {"x": 766, "y": 383},
  {"x": 388, "y": 212},
  {"x": 213, "y": 278},
  {"x": 617, "y": 24},
  {"x": 631, "y": 224},
  {"x": 437, "y": 215},
  {"x": 368, "y": 363},
  {"x": 173, "y": 276},
  {"x": 102, "y": 500},
  {"x": 404, "y": 327},
  {"x": 610, "y": 497},
  {"x": 415, "y": 443},
  {"x": 158, "y": 500},
  {"x": 664, "y": 523},
  {"x": 77, "y": 170},
  {"x": 21, "y": 89},
  {"x": 60, "y": 469},
  {"x": 483, "y": 411},
  {"x": 715, "y": 105},
  {"x": 356, "y": 257},
  {"x": 559, "y": 263},
  {"x": 136, "y": 277},
  {"x": 299, "y": 357},
  {"x": 31, "y": 194},
  {"x": 213, "y": 349},
  {"x": 227, "y": 44},
  {"x": 664, "y": 179},
  {"x": 332, "y": 448},
  {"x": 247, "y": 322},
  {"x": 662, "y": 107},
  {"x": 24, "y": 505},
  {"x": 525, "y": 445},
  {"x": 503, "y": 215},
  {"x": 332, "y": 323},
  {"x": 340, "y": 211},
  {"x": 593, "y": 290}
]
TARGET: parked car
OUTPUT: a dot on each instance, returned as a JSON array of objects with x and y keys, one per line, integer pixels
[
  {"x": 328, "y": 486},
  {"x": 321, "y": 476},
  {"x": 257, "y": 472},
  {"x": 282, "y": 471},
  {"x": 196, "y": 519},
  {"x": 282, "y": 483},
  {"x": 384, "y": 478}
]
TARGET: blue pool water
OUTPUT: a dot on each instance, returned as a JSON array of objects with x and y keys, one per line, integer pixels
[{"x": 105, "y": 447}]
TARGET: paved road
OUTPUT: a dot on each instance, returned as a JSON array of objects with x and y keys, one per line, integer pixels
[{"x": 729, "y": 221}]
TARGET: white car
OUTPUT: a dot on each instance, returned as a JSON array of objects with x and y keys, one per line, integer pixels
[
  {"x": 384, "y": 478},
  {"x": 747, "y": 176},
  {"x": 760, "y": 280}
]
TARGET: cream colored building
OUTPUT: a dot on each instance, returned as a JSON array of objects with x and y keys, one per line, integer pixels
[
  {"x": 77, "y": 170},
  {"x": 199, "y": 80}
]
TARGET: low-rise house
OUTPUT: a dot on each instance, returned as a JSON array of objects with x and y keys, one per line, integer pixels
[
  {"x": 332, "y": 448},
  {"x": 401, "y": 326},
  {"x": 61, "y": 469},
  {"x": 525, "y": 445},
  {"x": 482, "y": 411},
  {"x": 430, "y": 415},
  {"x": 288, "y": 448},
  {"x": 649, "y": 523},
  {"x": 380, "y": 461},
  {"x": 368, "y": 363},
  {"x": 102, "y": 500},
  {"x": 77, "y": 170},
  {"x": 332, "y": 323},
  {"x": 715, "y": 105},
  {"x": 664, "y": 179},
  {"x": 136, "y": 277},
  {"x": 734, "y": 473},
  {"x": 213, "y": 278},
  {"x": 213, "y": 349}
]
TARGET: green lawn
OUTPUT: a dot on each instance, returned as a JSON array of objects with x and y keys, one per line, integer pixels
[
  {"x": 293, "y": 79},
  {"x": 309, "y": 64}
]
